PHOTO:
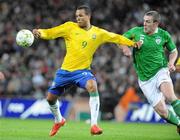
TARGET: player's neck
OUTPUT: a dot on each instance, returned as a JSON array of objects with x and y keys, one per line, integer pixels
[
  {"x": 154, "y": 31},
  {"x": 87, "y": 27}
]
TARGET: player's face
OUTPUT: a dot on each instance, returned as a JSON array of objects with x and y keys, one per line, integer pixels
[
  {"x": 149, "y": 25},
  {"x": 82, "y": 18}
]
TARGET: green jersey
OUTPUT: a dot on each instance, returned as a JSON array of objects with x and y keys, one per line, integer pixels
[{"x": 150, "y": 57}]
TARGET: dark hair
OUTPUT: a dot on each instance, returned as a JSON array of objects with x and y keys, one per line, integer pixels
[
  {"x": 86, "y": 9},
  {"x": 156, "y": 16}
]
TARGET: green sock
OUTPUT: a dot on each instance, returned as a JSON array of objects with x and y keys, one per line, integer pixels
[
  {"x": 94, "y": 94},
  {"x": 172, "y": 118},
  {"x": 176, "y": 106}
]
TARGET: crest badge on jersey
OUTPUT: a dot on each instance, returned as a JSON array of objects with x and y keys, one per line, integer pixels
[
  {"x": 158, "y": 40},
  {"x": 94, "y": 36}
]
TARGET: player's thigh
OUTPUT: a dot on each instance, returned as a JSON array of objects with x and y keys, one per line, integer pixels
[
  {"x": 151, "y": 92},
  {"x": 87, "y": 81},
  {"x": 60, "y": 82},
  {"x": 165, "y": 84}
]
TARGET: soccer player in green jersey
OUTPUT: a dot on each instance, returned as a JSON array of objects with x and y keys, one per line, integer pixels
[
  {"x": 82, "y": 40},
  {"x": 153, "y": 68}
]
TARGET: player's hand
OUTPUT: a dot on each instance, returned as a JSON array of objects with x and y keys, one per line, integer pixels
[
  {"x": 171, "y": 67},
  {"x": 138, "y": 44},
  {"x": 2, "y": 77},
  {"x": 126, "y": 51},
  {"x": 36, "y": 33}
]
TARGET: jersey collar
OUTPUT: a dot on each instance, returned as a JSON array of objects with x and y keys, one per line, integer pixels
[{"x": 156, "y": 31}]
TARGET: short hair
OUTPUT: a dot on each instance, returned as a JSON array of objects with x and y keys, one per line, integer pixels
[
  {"x": 86, "y": 8},
  {"x": 156, "y": 16}
]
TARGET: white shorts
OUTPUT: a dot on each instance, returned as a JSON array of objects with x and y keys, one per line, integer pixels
[{"x": 151, "y": 87}]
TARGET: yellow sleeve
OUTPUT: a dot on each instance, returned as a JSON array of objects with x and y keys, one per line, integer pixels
[
  {"x": 118, "y": 39},
  {"x": 178, "y": 62},
  {"x": 55, "y": 32}
]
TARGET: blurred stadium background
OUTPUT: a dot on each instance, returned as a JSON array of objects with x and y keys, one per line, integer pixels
[{"x": 30, "y": 71}]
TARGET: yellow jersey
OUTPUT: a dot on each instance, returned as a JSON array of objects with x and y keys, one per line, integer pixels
[
  {"x": 81, "y": 44},
  {"x": 178, "y": 62}
]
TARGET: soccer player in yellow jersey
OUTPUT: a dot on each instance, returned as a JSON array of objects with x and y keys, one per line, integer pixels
[{"x": 82, "y": 40}]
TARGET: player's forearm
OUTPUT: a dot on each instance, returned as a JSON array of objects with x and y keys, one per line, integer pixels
[
  {"x": 173, "y": 56},
  {"x": 126, "y": 41},
  {"x": 118, "y": 39},
  {"x": 45, "y": 34}
]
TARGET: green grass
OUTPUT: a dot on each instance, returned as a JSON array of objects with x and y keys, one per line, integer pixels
[{"x": 15, "y": 129}]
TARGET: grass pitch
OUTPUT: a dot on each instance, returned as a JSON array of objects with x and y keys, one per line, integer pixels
[{"x": 15, "y": 129}]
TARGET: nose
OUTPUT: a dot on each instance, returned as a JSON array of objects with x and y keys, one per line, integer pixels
[
  {"x": 145, "y": 23},
  {"x": 77, "y": 18}
]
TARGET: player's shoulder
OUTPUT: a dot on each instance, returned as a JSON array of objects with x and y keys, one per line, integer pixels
[
  {"x": 97, "y": 28},
  {"x": 162, "y": 31},
  {"x": 70, "y": 23}
]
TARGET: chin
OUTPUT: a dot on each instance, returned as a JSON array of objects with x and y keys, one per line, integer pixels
[{"x": 80, "y": 25}]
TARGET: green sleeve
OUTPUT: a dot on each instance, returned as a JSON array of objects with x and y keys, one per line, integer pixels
[{"x": 169, "y": 42}]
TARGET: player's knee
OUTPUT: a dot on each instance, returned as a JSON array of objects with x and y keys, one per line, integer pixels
[
  {"x": 91, "y": 86},
  {"x": 51, "y": 98},
  {"x": 51, "y": 102}
]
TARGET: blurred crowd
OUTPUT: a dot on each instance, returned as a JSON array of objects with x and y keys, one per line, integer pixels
[{"x": 29, "y": 71}]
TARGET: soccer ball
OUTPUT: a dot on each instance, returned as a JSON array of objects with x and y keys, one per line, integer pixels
[{"x": 24, "y": 38}]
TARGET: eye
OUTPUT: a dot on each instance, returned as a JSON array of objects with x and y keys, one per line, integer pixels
[{"x": 77, "y": 16}]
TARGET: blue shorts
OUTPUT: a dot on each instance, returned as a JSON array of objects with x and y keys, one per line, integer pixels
[{"x": 63, "y": 79}]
